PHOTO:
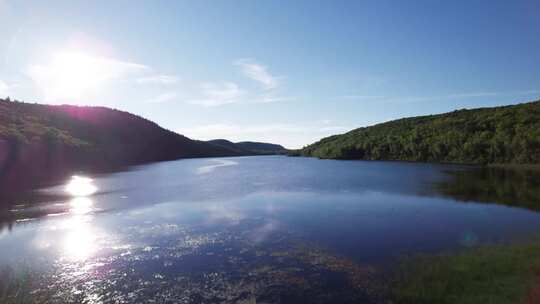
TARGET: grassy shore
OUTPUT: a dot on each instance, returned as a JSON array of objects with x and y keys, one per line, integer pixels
[
  {"x": 495, "y": 274},
  {"x": 528, "y": 167},
  {"x": 15, "y": 286},
  {"x": 492, "y": 274}
]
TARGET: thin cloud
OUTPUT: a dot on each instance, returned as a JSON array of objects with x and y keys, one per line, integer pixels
[
  {"x": 4, "y": 88},
  {"x": 269, "y": 99},
  {"x": 211, "y": 94},
  {"x": 163, "y": 97},
  {"x": 258, "y": 72},
  {"x": 361, "y": 97},
  {"x": 158, "y": 79},
  {"x": 218, "y": 93}
]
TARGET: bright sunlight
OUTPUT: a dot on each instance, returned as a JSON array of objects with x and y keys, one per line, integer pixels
[
  {"x": 80, "y": 186},
  {"x": 72, "y": 74}
]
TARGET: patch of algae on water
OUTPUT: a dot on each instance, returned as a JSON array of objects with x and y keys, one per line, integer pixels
[
  {"x": 361, "y": 279},
  {"x": 207, "y": 267}
]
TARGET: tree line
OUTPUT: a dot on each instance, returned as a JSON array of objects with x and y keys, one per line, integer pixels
[{"x": 497, "y": 135}]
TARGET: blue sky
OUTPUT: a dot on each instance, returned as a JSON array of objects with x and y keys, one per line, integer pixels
[{"x": 288, "y": 72}]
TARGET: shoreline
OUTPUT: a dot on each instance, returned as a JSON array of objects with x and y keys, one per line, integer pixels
[{"x": 492, "y": 273}]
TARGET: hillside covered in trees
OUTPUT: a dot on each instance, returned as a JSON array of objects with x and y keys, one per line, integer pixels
[
  {"x": 250, "y": 147},
  {"x": 38, "y": 142},
  {"x": 497, "y": 135}
]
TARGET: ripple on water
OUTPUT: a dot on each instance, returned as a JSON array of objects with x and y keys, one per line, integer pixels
[{"x": 194, "y": 265}]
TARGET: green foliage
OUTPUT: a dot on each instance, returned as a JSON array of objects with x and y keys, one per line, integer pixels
[
  {"x": 509, "y": 134},
  {"x": 15, "y": 286},
  {"x": 40, "y": 143},
  {"x": 491, "y": 274},
  {"x": 249, "y": 147},
  {"x": 516, "y": 185},
  {"x": 95, "y": 134},
  {"x": 262, "y": 148},
  {"x": 20, "y": 125}
]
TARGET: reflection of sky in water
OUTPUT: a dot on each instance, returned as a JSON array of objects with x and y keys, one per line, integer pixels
[
  {"x": 168, "y": 221},
  {"x": 216, "y": 164}
]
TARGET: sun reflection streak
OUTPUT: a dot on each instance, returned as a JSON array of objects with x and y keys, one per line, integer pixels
[
  {"x": 80, "y": 205},
  {"x": 79, "y": 242}
]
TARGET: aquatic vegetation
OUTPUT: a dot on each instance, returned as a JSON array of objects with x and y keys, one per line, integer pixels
[
  {"x": 193, "y": 265},
  {"x": 15, "y": 285},
  {"x": 316, "y": 243},
  {"x": 488, "y": 274}
]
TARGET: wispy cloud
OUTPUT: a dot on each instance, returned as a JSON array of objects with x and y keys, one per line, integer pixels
[
  {"x": 164, "y": 97},
  {"x": 258, "y": 72},
  {"x": 227, "y": 92},
  {"x": 158, "y": 79},
  {"x": 4, "y": 88},
  {"x": 362, "y": 97},
  {"x": 218, "y": 93},
  {"x": 269, "y": 99}
]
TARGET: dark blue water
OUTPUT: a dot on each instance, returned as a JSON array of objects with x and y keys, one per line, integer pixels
[{"x": 267, "y": 229}]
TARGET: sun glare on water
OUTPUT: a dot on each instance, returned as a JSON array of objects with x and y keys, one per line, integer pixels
[
  {"x": 81, "y": 205},
  {"x": 79, "y": 240},
  {"x": 80, "y": 186}
]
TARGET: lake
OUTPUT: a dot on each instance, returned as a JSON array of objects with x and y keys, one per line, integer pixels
[{"x": 266, "y": 229}]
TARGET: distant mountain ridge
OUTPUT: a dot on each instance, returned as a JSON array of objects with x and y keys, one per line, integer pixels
[
  {"x": 250, "y": 147},
  {"x": 496, "y": 135},
  {"x": 40, "y": 141}
]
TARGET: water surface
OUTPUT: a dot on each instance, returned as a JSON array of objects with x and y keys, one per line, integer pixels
[{"x": 268, "y": 229}]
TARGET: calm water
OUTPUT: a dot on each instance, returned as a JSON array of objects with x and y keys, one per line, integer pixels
[{"x": 238, "y": 230}]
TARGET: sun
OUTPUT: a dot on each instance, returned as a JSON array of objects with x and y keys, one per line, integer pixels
[{"x": 72, "y": 75}]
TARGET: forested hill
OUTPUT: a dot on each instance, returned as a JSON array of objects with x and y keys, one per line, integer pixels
[
  {"x": 507, "y": 134},
  {"x": 262, "y": 148},
  {"x": 38, "y": 141},
  {"x": 251, "y": 147}
]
